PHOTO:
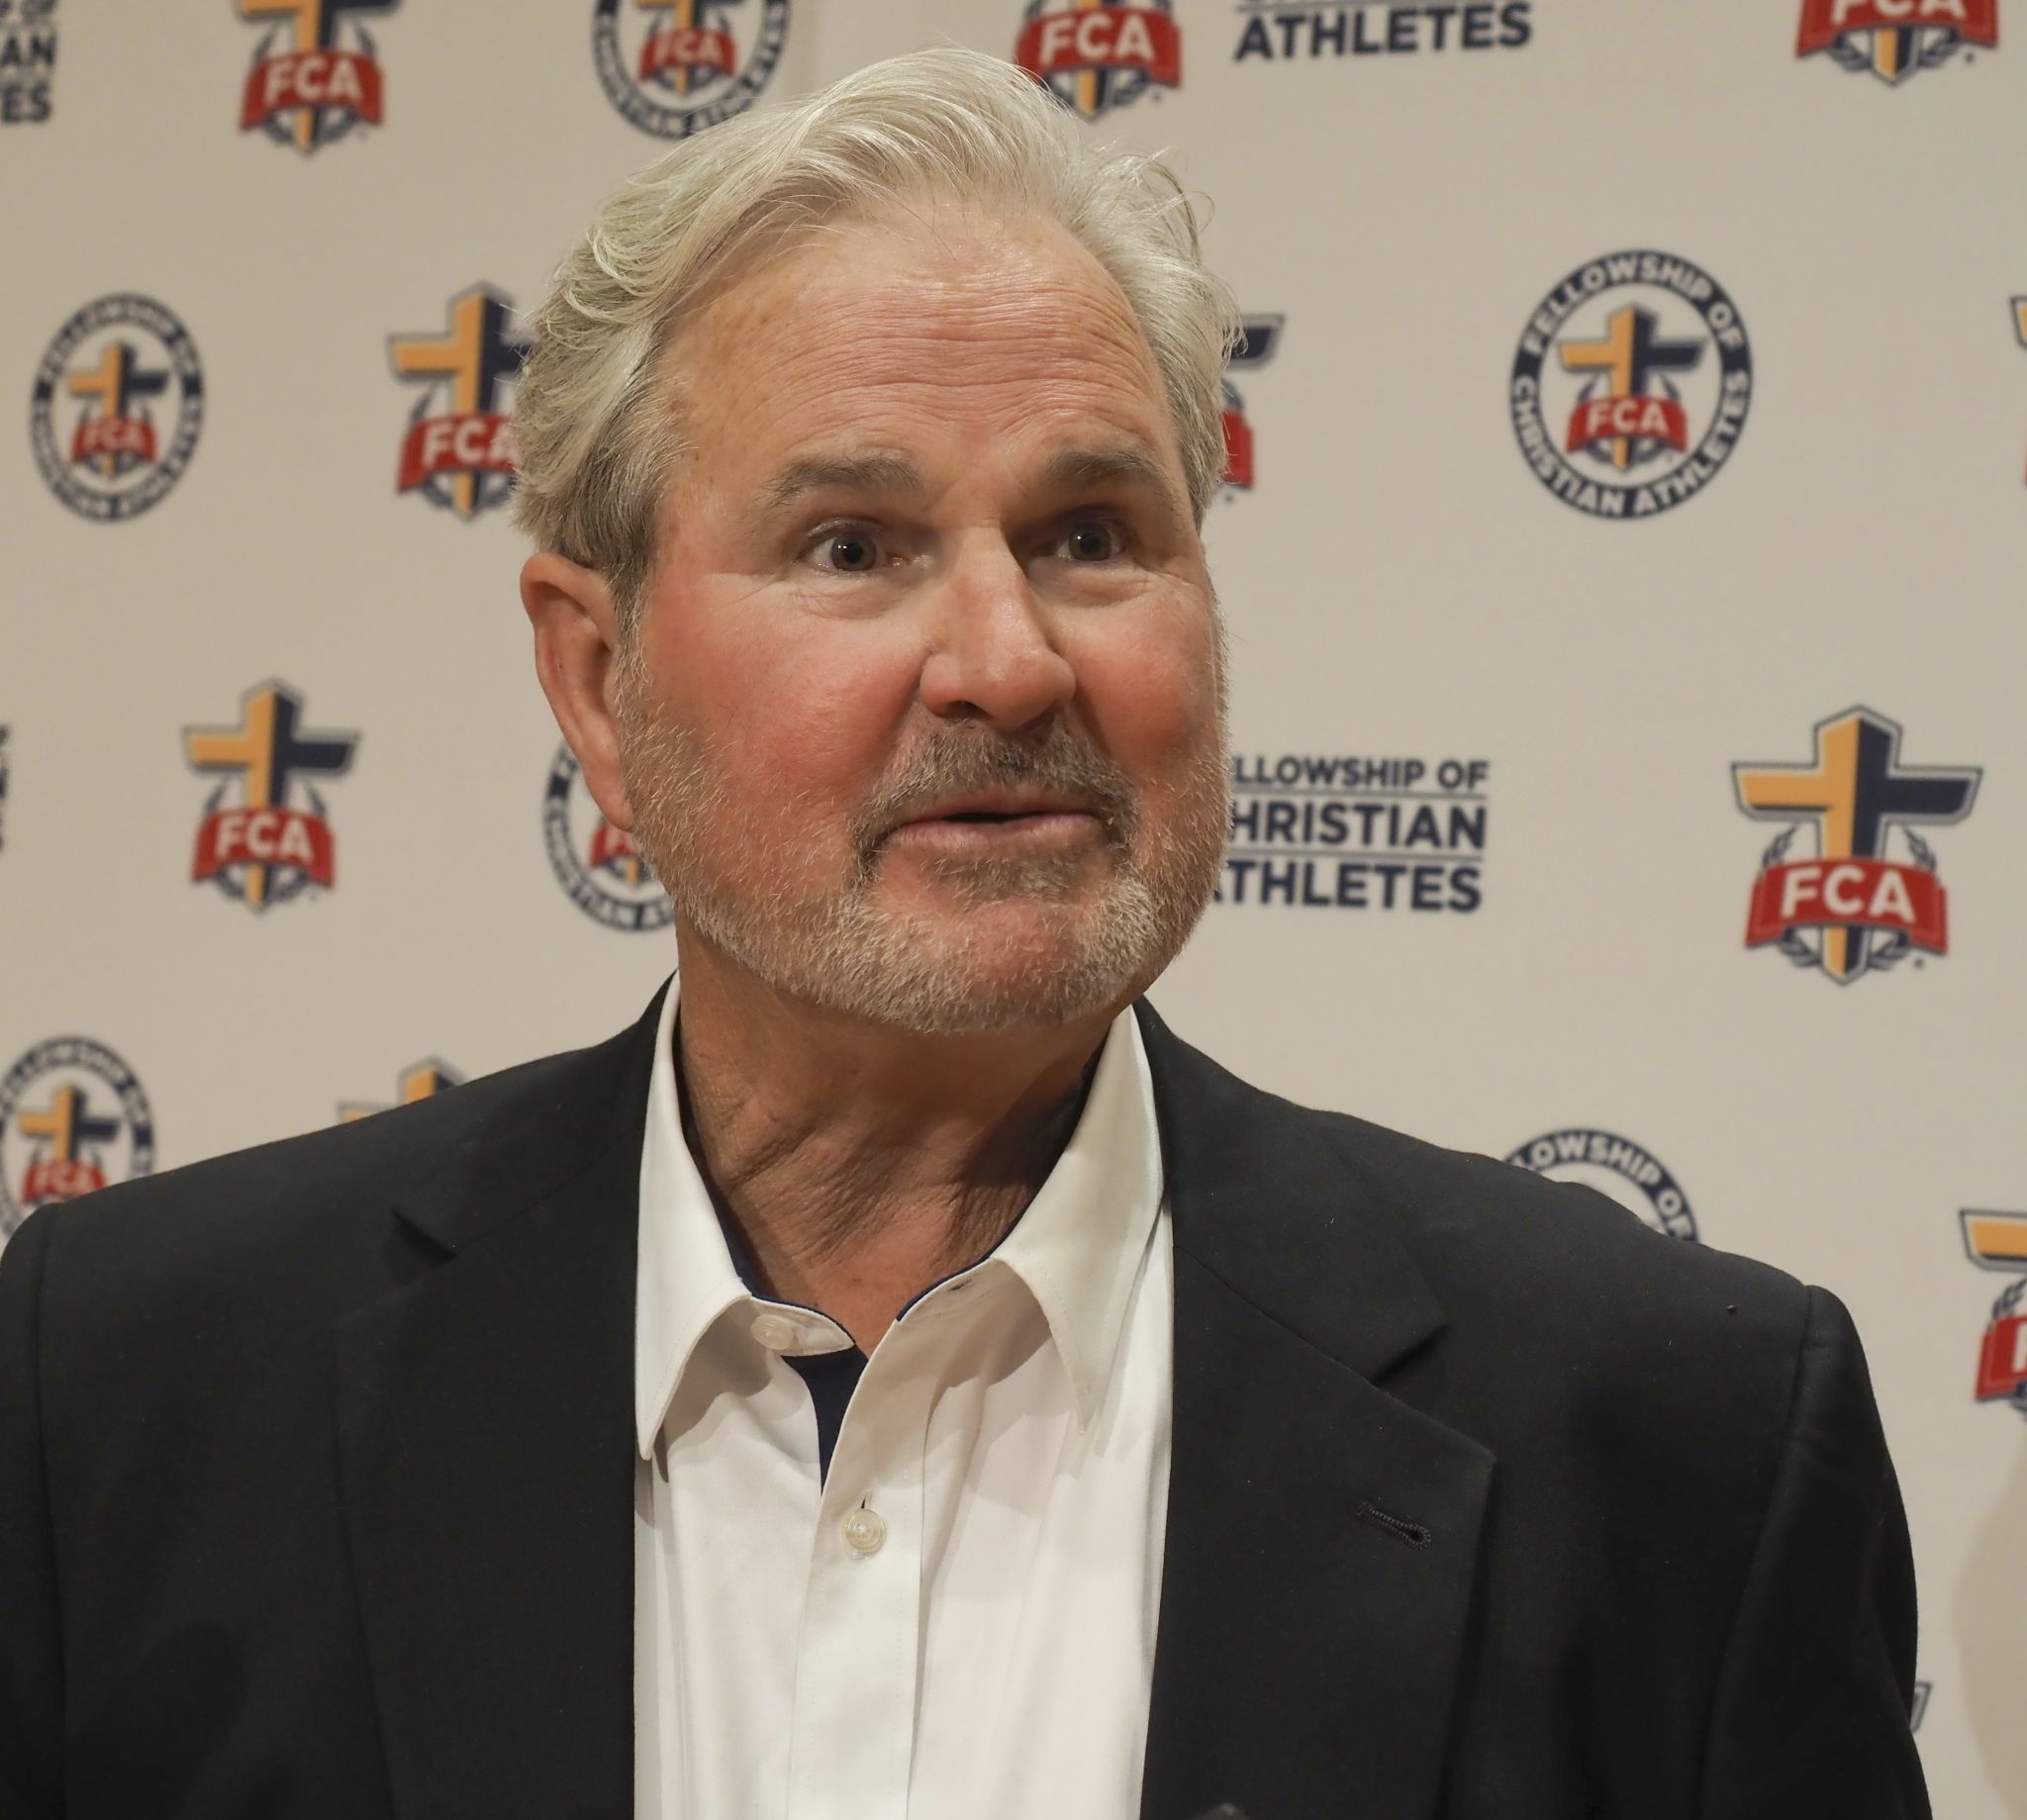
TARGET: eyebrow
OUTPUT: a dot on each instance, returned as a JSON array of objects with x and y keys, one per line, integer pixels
[
  {"x": 1074, "y": 468},
  {"x": 887, "y": 471},
  {"x": 878, "y": 471}
]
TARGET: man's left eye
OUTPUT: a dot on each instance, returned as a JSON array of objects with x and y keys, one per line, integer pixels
[
  {"x": 1091, "y": 541},
  {"x": 849, "y": 550}
]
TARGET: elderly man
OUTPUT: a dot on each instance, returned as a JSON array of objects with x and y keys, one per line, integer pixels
[{"x": 898, "y": 1378}]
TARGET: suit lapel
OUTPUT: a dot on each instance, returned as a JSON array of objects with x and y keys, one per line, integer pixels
[
  {"x": 1322, "y": 1535},
  {"x": 1307, "y": 1652},
  {"x": 486, "y": 1452}
]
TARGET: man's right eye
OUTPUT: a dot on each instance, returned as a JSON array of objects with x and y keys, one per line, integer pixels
[{"x": 853, "y": 550}]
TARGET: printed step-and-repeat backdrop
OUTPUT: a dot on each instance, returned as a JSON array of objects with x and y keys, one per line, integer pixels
[{"x": 1624, "y": 545}]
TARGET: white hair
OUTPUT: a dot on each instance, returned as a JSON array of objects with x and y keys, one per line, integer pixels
[{"x": 598, "y": 434}]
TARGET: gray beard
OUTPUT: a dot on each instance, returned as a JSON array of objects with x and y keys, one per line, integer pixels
[{"x": 845, "y": 952}]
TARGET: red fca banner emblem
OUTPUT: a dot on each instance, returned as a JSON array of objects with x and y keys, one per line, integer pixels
[
  {"x": 1259, "y": 341},
  {"x": 68, "y": 1130},
  {"x": 1098, "y": 54},
  {"x": 307, "y": 87},
  {"x": 461, "y": 457},
  {"x": 685, "y": 49},
  {"x": 113, "y": 433},
  {"x": 262, "y": 849},
  {"x": 1892, "y": 39},
  {"x": 1865, "y": 909},
  {"x": 1998, "y": 1241},
  {"x": 1630, "y": 356}
]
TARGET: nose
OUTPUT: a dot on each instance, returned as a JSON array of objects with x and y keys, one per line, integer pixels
[{"x": 992, "y": 657}]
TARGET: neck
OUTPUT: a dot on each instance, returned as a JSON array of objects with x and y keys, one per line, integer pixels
[{"x": 859, "y": 1163}]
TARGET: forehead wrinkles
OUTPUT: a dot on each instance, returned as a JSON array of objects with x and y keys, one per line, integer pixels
[{"x": 828, "y": 334}]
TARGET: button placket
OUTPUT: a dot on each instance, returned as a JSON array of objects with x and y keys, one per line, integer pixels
[{"x": 860, "y": 1657}]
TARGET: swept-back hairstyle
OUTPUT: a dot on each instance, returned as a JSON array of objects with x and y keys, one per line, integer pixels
[{"x": 598, "y": 430}]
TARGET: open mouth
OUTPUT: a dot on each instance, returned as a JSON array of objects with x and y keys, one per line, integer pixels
[{"x": 973, "y": 828}]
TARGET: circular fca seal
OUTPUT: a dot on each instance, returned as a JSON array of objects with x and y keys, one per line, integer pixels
[
  {"x": 676, "y": 67},
  {"x": 73, "y": 1119},
  {"x": 605, "y": 873},
  {"x": 116, "y": 408},
  {"x": 1631, "y": 384},
  {"x": 1619, "y": 1168}
]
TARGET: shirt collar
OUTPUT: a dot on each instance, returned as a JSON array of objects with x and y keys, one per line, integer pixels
[
  {"x": 1081, "y": 1244},
  {"x": 1077, "y": 1248}
]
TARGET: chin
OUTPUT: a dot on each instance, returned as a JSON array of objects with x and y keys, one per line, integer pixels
[
  {"x": 992, "y": 1006},
  {"x": 1006, "y": 966},
  {"x": 912, "y": 955}
]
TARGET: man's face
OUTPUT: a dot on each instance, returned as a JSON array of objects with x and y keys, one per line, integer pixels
[{"x": 922, "y": 721}]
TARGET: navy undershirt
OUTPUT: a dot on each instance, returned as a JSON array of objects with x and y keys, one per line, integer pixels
[{"x": 831, "y": 1375}]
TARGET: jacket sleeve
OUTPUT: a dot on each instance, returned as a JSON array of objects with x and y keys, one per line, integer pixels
[
  {"x": 1811, "y": 1713},
  {"x": 30, "y": 1659}
]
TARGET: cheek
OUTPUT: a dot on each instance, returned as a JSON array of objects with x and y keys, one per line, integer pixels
[
  {"x": 794, "y": 708},
  {"x": 1152, "y": 695}
]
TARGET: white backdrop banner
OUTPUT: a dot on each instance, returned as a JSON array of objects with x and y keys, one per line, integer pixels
[{"x": 1623, "y": 546}]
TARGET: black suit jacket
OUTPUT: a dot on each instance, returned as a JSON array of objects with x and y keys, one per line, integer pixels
[{"x": 317, "y": 1467}]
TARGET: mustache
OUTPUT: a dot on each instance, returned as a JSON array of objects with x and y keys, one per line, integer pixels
[{"x": 948, "y": 763}]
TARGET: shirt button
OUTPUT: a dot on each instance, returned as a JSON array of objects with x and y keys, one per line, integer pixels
[
  {"x": 864, "y": 1531},
  {"x": 774, "y": 1331}
]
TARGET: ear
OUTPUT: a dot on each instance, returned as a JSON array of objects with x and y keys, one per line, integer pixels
[{"x": 576, "y": 646}]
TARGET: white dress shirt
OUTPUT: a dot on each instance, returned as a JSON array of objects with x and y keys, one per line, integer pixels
[{"x": 956, "y": 1622}]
